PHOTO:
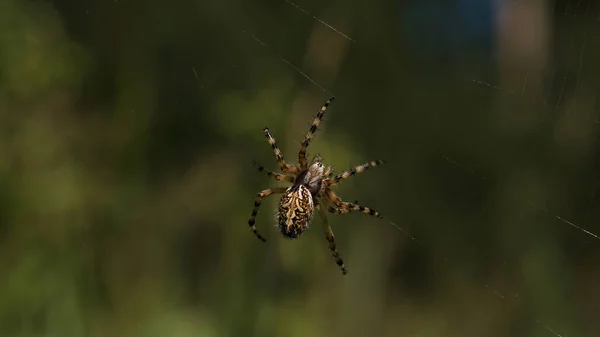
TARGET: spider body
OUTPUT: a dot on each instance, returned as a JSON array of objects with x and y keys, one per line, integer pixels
[
  {"x": 295, "y": 211},
  {"x": 312, "y": 178},
  {"x": 296, "y": 207},
  {"x": 310, "y": 191}
]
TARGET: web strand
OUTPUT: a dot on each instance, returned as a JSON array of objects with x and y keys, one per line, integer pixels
[
  {"x": 290, "y": 64},
  {"x": 305, "y": 12},
  {"x": 493, "y": 291},
  {"x": 404, "y": 231},
  {"x": 571, "y": 113},
  {"x": 529, "y": 202},
  {"x": 583, "y": 43},
  {"x": 570, "y": 10}
]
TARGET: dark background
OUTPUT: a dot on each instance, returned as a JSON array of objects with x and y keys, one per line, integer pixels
[{"x": 126, "y": 180}]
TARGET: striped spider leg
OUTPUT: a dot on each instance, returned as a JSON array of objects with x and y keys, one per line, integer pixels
[
  {"x": 331, "y": 238},
  {"x": 283, "y": 166},
  {"x": 344, "y": 207},
  {"x": 274, "y": 175},
  {"x": 358, "y": 169},
  {"x": 257, "y": 201},
  {"x": 313, "y": 128}
]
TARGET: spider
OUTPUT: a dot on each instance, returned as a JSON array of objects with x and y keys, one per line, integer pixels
[{"x": 311, "y": 188}]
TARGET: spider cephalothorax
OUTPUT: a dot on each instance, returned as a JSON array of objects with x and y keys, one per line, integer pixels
[{"x": 310, "y": 183}]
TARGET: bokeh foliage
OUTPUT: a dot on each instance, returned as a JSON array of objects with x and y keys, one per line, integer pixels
[{"x": 128, "y": 131}]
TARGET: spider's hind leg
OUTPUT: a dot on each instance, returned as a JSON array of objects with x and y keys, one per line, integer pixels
[
  {"x": 280, "y": 161},
  {"x": 347, "y": 207},
  {"x": 257, "y": 201},
  {"x": 331, "y": 240},
  {"x": 313, "y": 128}
]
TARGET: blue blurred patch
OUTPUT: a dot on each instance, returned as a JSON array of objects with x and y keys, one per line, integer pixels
[{"x": 437, "y": 29}]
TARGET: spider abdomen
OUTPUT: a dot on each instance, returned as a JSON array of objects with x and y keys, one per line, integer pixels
[{"x": 295, "y": 211}]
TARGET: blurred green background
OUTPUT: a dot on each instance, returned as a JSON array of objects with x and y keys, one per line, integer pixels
[{"x": 126, "y": 180}]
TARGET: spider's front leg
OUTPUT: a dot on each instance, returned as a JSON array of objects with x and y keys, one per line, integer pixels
[
  {"x": 353, "y": 171},
  {"x": 313, "y": 128},
  {"x": 274, "y": 175},
  {"x": 331, "y": 240},
  {"x": 280, "y": 161},
  {"x": 257, "y": 201},
  {"x": 347, "y": 207}
]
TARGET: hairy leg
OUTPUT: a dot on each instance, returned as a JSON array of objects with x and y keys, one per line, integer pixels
[
  {"x": 331, "y": 240},
  {"x": 347, "y": 207},
  {"x": 313, "y": 128},
  {"x": 353, "y": 171},
  {"x": 257, "y": 201},
  {"x": 274, "y": 175},
  {"x": 280, "y": 161}
]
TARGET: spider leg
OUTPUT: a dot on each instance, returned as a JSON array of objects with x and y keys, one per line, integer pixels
[
  {"x": 328, "y": 172},
  {"x": 257, "y": 201},
  {"x": 274, "y": 175},
  {"x": 331, "y": 240},
  {"x": 347, "y": 207},
  {"x": 353, "y": 171},
  {"x": 331, "y": 208},
  {"x": 280, "y": 161},
  {"x": 311, "y": 132}
]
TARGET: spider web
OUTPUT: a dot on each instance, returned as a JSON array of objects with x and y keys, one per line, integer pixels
[
  {"x": 567, "y": 86},
  {"x": 559, "y": 85}
]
